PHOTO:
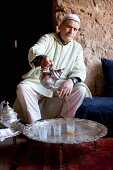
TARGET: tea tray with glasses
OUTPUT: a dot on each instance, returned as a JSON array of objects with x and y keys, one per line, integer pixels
[{"x": 65, "y": 130}]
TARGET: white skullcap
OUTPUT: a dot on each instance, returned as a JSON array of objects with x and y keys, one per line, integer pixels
[{"x": 71, "y": 16}]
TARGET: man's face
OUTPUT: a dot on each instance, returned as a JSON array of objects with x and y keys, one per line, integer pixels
[{"x": 68, "y": 30}]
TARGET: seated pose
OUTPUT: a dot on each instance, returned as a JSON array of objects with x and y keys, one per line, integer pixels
[{"x": 59, "y": 50}]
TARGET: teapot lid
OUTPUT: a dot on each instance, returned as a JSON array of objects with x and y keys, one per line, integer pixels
[{"x": 6, "y": 108}]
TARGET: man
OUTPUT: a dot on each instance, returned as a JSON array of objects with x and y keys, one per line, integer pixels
[{"x": 58, "y": 50}]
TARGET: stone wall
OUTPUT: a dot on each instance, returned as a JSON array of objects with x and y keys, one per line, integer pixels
[{"x": 96, "y": 34}]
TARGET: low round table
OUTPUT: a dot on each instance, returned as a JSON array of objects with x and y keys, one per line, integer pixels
[{"x": 85, "y": 131}]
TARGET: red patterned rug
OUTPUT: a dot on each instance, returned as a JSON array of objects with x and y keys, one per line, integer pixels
[{"x": 41, "y": 156}]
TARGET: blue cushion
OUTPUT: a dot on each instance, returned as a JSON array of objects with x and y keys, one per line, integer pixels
[
  {"x": 107, "y": 67},
  {"x": 99, "y": 109}
]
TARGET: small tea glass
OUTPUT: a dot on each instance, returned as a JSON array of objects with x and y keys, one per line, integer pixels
[
  {"x": 57, "y": 128},
  {"x": 42, "y": 131},
  {"x": 70, "y": 126}
]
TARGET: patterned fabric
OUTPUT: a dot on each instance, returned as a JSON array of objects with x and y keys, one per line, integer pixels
[{"x": 41, "y": 156}]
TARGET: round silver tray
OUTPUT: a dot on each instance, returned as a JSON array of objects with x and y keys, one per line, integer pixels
[{"x": 85, "y": 131}]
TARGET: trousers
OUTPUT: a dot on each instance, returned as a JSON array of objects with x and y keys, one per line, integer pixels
[{"x": 30, "y": 100}]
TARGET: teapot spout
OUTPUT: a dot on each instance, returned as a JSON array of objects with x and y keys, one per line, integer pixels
[{"x": 58, "y": 73}]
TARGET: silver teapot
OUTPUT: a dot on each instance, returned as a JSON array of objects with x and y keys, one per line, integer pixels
[
  {"x": 49, "y": 78},
  {"x": 7, "y": 114}
]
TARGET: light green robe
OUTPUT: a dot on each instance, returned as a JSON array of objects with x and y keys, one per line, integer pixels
[{"x": 69, "y": 56}]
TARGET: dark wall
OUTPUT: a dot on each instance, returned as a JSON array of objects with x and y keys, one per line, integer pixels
[{"x": 24, "y": 23}]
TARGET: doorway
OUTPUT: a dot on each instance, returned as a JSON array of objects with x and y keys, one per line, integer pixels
[{"x": 25, "y": 24}]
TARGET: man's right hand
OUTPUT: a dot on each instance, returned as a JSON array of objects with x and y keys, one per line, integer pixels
[{"x": 46, "y": 62}]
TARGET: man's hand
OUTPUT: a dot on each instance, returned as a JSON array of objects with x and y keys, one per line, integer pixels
[
  {"x": 66, "y": 89},
  {"x": 46, "y": 62}
]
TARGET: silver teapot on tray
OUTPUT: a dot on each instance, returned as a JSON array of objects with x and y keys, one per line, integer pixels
[
  {"x": 48, "y": 78},
  {"x": 7, "y": 114}
]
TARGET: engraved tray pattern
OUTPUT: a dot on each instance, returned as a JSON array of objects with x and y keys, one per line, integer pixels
[{"x": 85, "y": 131}]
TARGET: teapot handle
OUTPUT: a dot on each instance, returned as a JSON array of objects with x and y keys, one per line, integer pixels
[{"x": 51, "y": 68}]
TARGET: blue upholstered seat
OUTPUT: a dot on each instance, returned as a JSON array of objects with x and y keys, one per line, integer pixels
[{"x": 99, "y": 109}]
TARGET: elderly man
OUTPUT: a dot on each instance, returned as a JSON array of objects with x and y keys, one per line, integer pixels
[{"x": 59, "y": 50}]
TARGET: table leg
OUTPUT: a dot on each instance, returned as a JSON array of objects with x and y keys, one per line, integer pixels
[
  {"x": 61, "y": 156},
  {"x": 14, "y": 139},
  {"x": 95, "y": 145}
]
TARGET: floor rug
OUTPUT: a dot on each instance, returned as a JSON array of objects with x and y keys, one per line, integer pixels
[
  {"x": 32, "y": 155},
  {"x": 85, "y": 156}
]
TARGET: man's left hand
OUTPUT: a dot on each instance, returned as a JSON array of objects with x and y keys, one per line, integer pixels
[{"x": 66, "y": 89}]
